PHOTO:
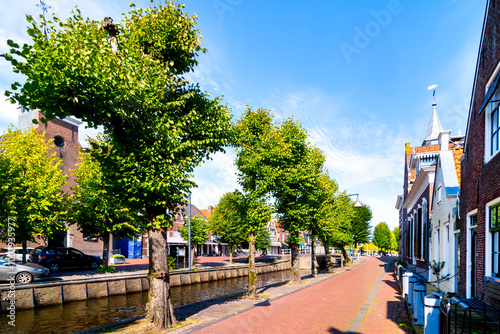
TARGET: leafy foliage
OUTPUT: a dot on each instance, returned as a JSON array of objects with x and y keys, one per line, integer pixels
[
  {"x": 160, "y": 127},
  {"x": 32, "y": 202},
  {"x": 199, "y": 230},
  {"x": 360, "y": 224},
  {"x": 226, "y": 220},
  {"x": 382, "y": 236},
  {"x": 98, "y": 211}
]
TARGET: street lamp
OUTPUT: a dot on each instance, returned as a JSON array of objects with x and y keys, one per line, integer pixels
[{"x": 357, "y": 205}]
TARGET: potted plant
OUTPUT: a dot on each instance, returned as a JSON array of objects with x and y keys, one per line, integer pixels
[{"x": 117, "y": 259}]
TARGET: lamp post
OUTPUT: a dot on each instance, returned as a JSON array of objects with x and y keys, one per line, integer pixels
[
  {"x": 357, "y": 205},
  {"x": 189, "y": 231}
]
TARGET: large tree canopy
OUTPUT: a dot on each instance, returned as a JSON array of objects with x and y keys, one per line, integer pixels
[
  {"x": 129, "y": 77},
  {"x": 276, "y": 160},
  {"x": 32, "y": 202},
  {"x": 360, "y": 224},
  {"x": 382, "y": 236}
]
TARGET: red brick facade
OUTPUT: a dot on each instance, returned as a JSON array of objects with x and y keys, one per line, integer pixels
[{"x": 480, "y": 181}]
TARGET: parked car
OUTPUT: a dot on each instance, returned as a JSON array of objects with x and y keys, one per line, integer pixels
[
  {"x": 22, "y": 272},
  {"x": 55, "y": 258},
  {"x": 16, "y": 253}
]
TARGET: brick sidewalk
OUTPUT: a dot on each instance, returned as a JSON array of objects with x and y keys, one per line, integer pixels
[{"x": 331, "y": 306}]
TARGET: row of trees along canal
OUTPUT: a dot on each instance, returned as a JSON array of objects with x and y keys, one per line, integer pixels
[{"x": 129, "y": 78}]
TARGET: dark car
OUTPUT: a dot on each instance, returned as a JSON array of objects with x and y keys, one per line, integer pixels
[{"x": 55, "y": 258}]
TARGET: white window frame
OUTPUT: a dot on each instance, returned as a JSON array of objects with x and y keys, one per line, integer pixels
[
  {"x": 488, "y": 111},
  {"x": 488, "y": 240},
  {"x": 468, "y": 254}
]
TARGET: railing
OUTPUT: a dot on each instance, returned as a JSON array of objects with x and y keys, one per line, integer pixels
[
  {"x": 444, "y": 317},
  {"x": 471, "y": 316}
]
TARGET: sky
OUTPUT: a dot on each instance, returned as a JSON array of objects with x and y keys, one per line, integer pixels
[{"x": 354, "y": 74}]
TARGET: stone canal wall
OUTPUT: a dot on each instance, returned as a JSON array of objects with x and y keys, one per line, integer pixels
[{"x": 42, "y": 294}]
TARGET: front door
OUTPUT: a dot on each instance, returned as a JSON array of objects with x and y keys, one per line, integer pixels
[{"x": 473, "y": 273}]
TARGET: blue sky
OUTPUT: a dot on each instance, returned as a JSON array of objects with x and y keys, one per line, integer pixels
[{"x": 354, "y": 73}]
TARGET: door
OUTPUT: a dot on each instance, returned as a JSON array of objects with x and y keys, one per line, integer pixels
[{"x": 473, "y": 273}]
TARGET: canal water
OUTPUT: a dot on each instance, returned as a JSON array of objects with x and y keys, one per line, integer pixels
[{"x": 78, "y": 316}]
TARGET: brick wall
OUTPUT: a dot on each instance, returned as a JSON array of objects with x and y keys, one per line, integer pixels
[{"x": 480, "y": 182}]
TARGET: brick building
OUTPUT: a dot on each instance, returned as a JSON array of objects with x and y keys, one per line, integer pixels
[{"x": 480, "y": 184}]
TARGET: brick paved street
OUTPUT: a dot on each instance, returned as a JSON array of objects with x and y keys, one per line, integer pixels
[{"x": 338, "y": 305}]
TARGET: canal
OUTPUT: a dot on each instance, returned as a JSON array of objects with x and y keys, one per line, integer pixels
[{"x": 79, "y": 316}]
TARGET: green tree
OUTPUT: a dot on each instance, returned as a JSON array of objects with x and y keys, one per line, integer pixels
[
  {"x": 199, "y": 232},
  {"x": 276, "y": 160},
  {"x": 226, "y": 221},
  {"x": 395, "y": 231},
  {"x": 360, "y": 225},
  {"x": 97, "y": 211},
  {"x": 32, "y": 203},
  {"x": 382, "y": 236},
  {"x": 129, "y": 77}
]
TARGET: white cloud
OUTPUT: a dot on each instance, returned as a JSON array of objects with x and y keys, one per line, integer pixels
[
  {"x": 215, "y": 178},
  {"x": 8, "y": 111}
]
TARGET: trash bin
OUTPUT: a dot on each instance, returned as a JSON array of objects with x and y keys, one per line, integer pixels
[
  {"x": 406, "y": 276},
  {"x": 412, "y": 280},
  {"x": 431, "y": 314},
  {"x": 419, "y": 292}
]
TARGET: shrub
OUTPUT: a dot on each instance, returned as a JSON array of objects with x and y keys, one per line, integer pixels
[
  {"x": 117, "y": 256},
  {"x": 103, "y": 269}
]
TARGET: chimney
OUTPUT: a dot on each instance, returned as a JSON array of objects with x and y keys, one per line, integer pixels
[
  {"x": 210, "y": 208},
  {"x": 444, "y": 140}
]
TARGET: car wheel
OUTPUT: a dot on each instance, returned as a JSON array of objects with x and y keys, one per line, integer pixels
[
  {"x": 24, "y": 277},
  {"x": 54, "y": 266},
  {"x": 94, "y": 265}
]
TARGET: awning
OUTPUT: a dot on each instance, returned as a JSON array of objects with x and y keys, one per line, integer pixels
[
  {"x": 489, "y": 94},
  {"x": 275, "y": 244}
]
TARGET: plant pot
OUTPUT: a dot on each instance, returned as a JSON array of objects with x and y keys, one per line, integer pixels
[{"x": 117, "y": 260}]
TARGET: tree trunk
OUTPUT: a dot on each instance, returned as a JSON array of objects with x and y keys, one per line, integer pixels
[
  {"x": 346, "y": 256},
  {"x": 193, "y": 248},
  {"x": 313, "y": 257},
  {"x": 231, "y": 250},
  {"x": 252, "y": 272},
  {"x": 328, "y": 259},
  {"x": 105, "y": 250},
  {"x": 295, "y": 266},
  {"x": 159, "y": 307}
]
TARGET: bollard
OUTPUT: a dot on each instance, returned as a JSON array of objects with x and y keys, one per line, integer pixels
[
  {"x": 431, "y": 314},
  {"x": 419, "y": 291},
  {"x": 411, "y": 282},
  {"x": 406, "y": 275}
]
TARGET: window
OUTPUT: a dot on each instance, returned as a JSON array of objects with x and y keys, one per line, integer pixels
[
  {"x": 59, "y": 141},
  {"x": 473, "y": 220},
  {"x": 492, "y": 127},
  {"x": 439, "y": 194},
  {"x": 495, "y": 131},
  {"x": 495, "y": 239}
]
